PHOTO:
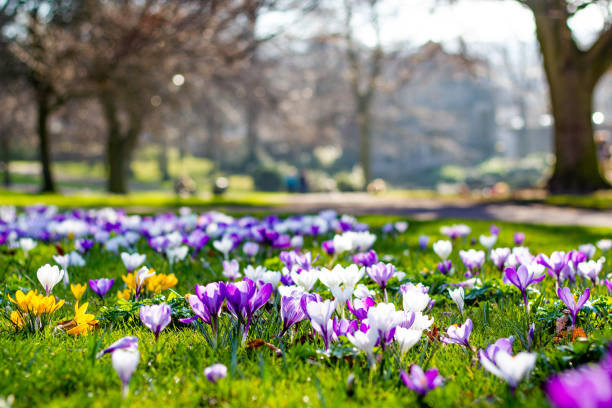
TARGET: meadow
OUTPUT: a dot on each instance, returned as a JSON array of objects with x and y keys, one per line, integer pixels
[{"x": 328, "y": 357}]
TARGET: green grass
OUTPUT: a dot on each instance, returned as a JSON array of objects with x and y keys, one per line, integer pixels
[{"x": 53, "y": 369}]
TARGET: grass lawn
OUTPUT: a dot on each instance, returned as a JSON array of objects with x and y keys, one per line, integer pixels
[{"x": 54, "y": 369}]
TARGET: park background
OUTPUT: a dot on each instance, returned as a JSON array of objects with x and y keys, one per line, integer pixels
[{"x": 245, "y": 101}]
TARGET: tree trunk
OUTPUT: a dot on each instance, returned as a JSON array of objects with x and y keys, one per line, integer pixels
[
  {"x": 119, "y": 146},
  {"x": 364, "y": 120},
  {"x": 252, "y": 114},
  {"x": 162, "y": 160},
  {"x": 576, "y": 166},
  {"x": 571, "y": 82},
  {"x": 43, "y": 102},
  {"x": 6, "y": 159}
]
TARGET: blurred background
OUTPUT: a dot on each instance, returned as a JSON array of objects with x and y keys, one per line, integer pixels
[{"x": 485, "y": 97}]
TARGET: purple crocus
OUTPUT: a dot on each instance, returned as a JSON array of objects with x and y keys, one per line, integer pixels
[
  {"x": 586, "y": 386},
  {"x": 608, "y": 284},
  {"x": 445, "y": 267},
  {"x": 423, "y": 242},
  {"x": 359, "y": 307},
  {"x": 207, "y": 303},
  {"x": 125, "y": 358},
  {"x": 291, "y": 313},
  {"x": 503, "y": 344},
  {"x": 244, "y": 299},
  {"x": 494, "y": 229},
  {"x": 557, "y": 264},
  {"x": 565, "y": 294},
  {"x": 366, "y": 258},
  {"x": 342, "y": 327},
  {"x": 156, "y": 317},
  {"x": 459, "y": 334},
  {"x": 522, "y": 278},
  {"x": 519, "y": 238},
  {"x": 101, "y": 286},
  {"x": 421, "y": 382},
  {"x": 250, "y": 249},
  {"x": 381, "y": 273},
  {"x": 215, "y": 372},
  {"x": 328, "y": 246},
  {"x": 499, "y": 256}
]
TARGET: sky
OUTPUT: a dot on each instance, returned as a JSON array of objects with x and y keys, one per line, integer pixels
[{"x": 476, "y": 21}]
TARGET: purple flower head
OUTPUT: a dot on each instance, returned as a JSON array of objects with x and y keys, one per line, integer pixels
[
  {"x": 557, "y": 264},
  {"x": 156, "y": 317},
  {"x": 288, "y": 258},
  {"x": 244, "y": 299},
  {"x": 530, "y": 335},
  {"x": 282, "y": 241},
  {"x": 586, "y": 386},
  {"x": 129, "y": 342},
  {"x": 101, "y": 286},
  {"x": 494, "y": 229},
  {"x": 499, "y": 256},
  {"x": 519, "y": 238},
  {"x": 445, "y": 267},
  {"x": 250, "y": 248},
  {"x": 291, "y": 313},
  {"x": 503, "y": 344},
  {"x": 215, "y": 372},
  {"x": 84, "y": 245},
  {"x": 472, "y": 259},
  {"x": 328, "y": 246},
  {"x": 423, "y": 242},
  {"x": 387, "y": 228},
  {"x": 197, "y": 240},
  {"x": 608, "y": 284},
  {"x": 577, "y": 257},
  {"x": 359, "y": 307},
  {"x": 207, "y": 303},
  {"x": 342, "y": 327},
  {"x": 565, "y": 294},
  {"x": 231, "y": 269},
  {"x": 159, "y": 243},
  {"x": 366, "y": 258},
  {"x": 306, "y": 299},
  {"x": 522, "y": 278},
  {"x": 305, "y": 261},
  {"x": 421, "y": 382},
  {"x": 381, "y": 273},
  {"x": 459, "y": 334}
]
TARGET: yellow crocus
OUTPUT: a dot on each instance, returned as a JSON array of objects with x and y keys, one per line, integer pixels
[
  {"x": 83, "y": 321},
  {"x": 78, "y": 290},
  {"x": 17, "y": 319},
  {"x": 124, "y": 294},
  {"x": 161, "y": 282}
]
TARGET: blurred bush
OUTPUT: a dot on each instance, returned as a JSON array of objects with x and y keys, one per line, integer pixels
[{"x": 267, "y": 178}]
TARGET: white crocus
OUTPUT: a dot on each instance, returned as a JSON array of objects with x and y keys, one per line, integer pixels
[
  {"x": 132, "y": 261},
  {"x": 510, "y": 368},
  {"x": 604, "y": 244},
  {"x": 421, "y": 321},
  {"x": 225, "y": 245},
  {"x": 443, "y": 249},
  {"x": 342, "y": 243},
  {"x": 177, "y": 254},
  {"x": 415, "y": 300},
  {"x": 588, "y": 250},
  {"x": 49, "y": 276},
  {"x": 125, "y": 361},
  {"x": 383, "y": 317},
  {"x": 458, "y": 296},
  {"x": 488, "y": 241},
  {"x": 364, "y": 342},
  {"x": 320, "y": 312},
  {"x": 407, "y": 338},
  {"x": 26, "y": 245},
  {"x": 306, "y": 279}
]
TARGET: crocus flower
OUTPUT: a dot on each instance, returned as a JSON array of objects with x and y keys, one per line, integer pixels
[
  {"x": 494, "y": 229},
  {"x": 423, "y": 242},
  {"x": 359, "y": 307},
  {"x": 443, "y": 249},
  {"x": 215, "y": 372},
  {"x": 608, "y": 284},
  {"x": 244, "y": 299},
  {"x": 604, "y": 244},
  {"x": 488, "y": 241},
  {"x": 328, "y": 247},
  {"x": 459, "y": 334},
  {"x": 365, "y": 258},
  {"x": 503, "y": 344},
  {"x": 156, "y": 317},
  {"x": 364, "y": 341},
  {"x": 557, "y": 264},
  {"x": 250, "y": 248},
  {"x": 591, "y": 269},
  {"x": 415, "y": 297},
  {"x": 472, "y": 259},
  {"x": 530, "y": 335},
  {"x": 519, "y": 238},
  {"x": 177, "y": 254},
  {"x": 291, "y": 313},
  {"x": 588, "y": 250},
  {"x": 231, "y": 269},
  {"x": 421, "y": 382},
  {"x": 125, "y": 357},
  {"x": 101, "y": 286},
  {"x": 381, "y": 273},
  {"x": 585, "y": 387},
  {"x": 565, "y": 294},
  {"x": 458, "y": 296},
  {"x": 383, "y": 319},
  {"x": 132, "y": 261},
  {"x": 320, "y": 314},
  {"x": 207, "y": 303},
  {"x": 343, "y": 327},
  {"x": 445, "y": 267},
  {"x": 141, "y": 275},
  {"x": 499, "y": 257},
  {"x": 522, "y": 278},
  {"x": 26, "y": 245},
  {"x": 49, "y": 276},
  {"x": 511, "y": 369},
  {"x": 225, "y": 245},
  {"x": 406, "y": 338},
  {"x": 78, "y": 290}
]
